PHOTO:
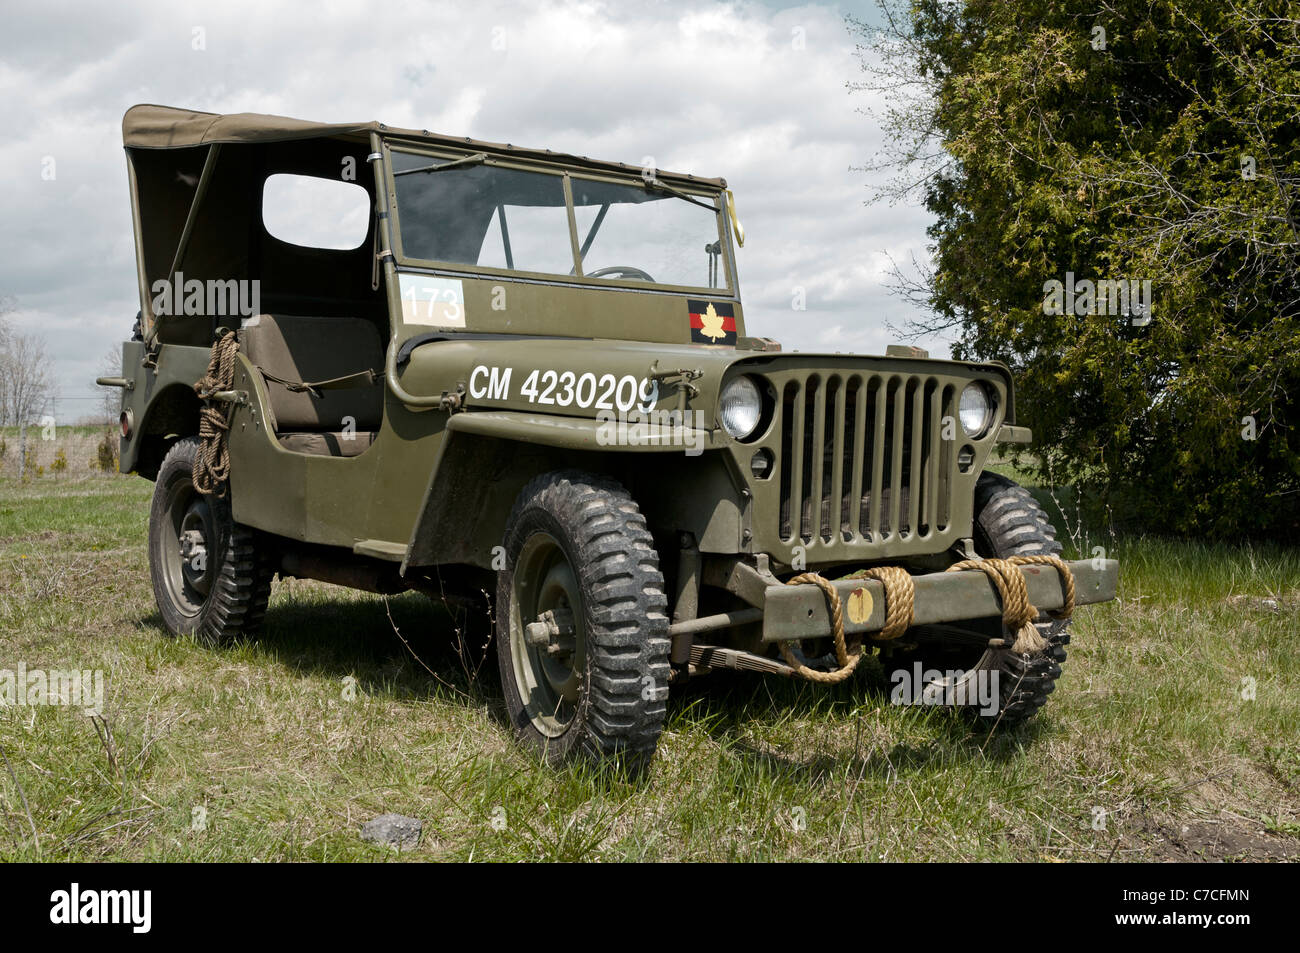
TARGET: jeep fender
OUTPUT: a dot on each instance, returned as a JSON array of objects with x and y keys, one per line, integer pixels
[
  {"x": 485, "y": 459},
  {"x": 161, "y": 402}
]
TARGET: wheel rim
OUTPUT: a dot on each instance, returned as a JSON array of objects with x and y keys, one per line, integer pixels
[
  {"x": 549, "y": 679},
  {"x": 186, "y": 544}
]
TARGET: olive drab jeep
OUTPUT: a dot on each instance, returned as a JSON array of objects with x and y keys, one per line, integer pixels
[{"x": 526, "y": 373}]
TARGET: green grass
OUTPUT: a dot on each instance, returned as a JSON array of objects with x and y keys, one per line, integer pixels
[{"x": 261, "y": 742}]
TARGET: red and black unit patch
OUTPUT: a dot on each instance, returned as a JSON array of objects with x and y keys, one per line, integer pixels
[{"x": 712, "y": 322}]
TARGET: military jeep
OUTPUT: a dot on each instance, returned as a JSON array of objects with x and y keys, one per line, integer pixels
[{"x": 525, "y": 373}]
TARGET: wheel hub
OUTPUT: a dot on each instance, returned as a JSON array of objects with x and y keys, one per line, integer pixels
[
  {"x": 547, "y": 635},
  {"x": 193, "y": 546},
  {"x": 553, "y": 632}
]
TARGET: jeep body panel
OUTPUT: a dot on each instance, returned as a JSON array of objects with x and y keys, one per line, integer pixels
[{"x": 495, "y": 373}]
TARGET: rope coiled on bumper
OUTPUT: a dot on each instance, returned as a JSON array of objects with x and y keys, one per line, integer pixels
[
  {"x": 900, "y": 598},
  {"x": 1018, "y": 613}
]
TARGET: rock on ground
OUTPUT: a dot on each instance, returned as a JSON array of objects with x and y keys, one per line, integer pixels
[{"x": 393, "y": 830}]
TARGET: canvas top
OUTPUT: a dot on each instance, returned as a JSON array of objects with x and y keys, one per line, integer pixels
[{"x": 148, "y": 126}]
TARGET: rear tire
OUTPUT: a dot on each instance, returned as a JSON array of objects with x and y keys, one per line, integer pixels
[
  {"x": 577, "y": 548},
  {"x": 209, "y": 576}
]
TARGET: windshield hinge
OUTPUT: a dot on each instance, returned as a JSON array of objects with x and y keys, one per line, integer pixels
[{"x": 453, "y": 400}]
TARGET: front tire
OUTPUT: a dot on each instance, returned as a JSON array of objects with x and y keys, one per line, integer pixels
[
  {"x": 1008, "y": 522},
  {"x": 209, "y": 577},
  {"x": 582, "y": 625}
]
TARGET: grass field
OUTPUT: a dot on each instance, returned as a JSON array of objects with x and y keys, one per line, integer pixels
[{"x": 1173, "y": 734}]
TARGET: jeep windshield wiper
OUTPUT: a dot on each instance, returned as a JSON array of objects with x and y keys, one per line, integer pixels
[
  {"x": 453, "y": 164},
  {"x": 654, "y": 185}
]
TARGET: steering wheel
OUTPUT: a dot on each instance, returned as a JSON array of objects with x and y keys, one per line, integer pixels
[{"x": 622, "y": 271}]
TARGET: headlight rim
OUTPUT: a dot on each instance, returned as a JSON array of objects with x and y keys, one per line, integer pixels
[
  {"x": 756, "y": 384},
  {"x": 989, "y": 396}
]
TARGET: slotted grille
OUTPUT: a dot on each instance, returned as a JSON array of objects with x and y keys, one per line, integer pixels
[{"x": 863, "y": 457}]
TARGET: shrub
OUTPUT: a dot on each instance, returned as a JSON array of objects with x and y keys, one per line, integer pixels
[{"x": 107, "y": 452}]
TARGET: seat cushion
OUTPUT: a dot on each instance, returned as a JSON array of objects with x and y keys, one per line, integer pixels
[
  {"x": 336, "y": 444},
  {"x": 316, "y": 349}
]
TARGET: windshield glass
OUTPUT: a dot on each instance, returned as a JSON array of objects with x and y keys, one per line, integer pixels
[
  {"x": 626, "y": 229},
  {"x": 478, "y": 214},
  {"x": 466, "y": 211}
]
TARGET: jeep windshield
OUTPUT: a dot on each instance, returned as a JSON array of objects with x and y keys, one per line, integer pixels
[{"x": 472, "y": 211}]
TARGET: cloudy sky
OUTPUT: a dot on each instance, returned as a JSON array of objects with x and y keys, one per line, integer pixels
[{"x": 752, "y": 92}]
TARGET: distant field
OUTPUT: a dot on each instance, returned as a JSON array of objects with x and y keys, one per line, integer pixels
[{"x": 1173, "y": 734}]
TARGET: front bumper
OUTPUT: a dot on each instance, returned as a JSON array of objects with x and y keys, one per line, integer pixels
[
  {"x": 797, "y": 612},
  {"x": 801, "y": 612}
]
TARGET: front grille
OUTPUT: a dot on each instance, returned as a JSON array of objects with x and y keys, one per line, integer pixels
[{"x": 863, "y": 457}]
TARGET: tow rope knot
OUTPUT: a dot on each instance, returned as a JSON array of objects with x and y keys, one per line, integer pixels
[{"x": 1018, "y": 613}]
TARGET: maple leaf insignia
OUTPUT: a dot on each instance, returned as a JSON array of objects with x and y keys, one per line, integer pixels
[{"x": 711, "y": 324}]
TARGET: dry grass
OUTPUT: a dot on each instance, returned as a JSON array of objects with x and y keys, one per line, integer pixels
[{"x": 261, "y": 750}]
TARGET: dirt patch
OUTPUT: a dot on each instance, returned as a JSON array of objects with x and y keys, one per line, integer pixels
[
  {"x": 43, "y": 536},
  {"x": 1217, "y": 841},
  {"x": 1284, "y": 602}
]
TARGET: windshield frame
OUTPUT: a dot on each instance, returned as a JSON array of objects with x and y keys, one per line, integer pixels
[{"x": 712, "y": 197}]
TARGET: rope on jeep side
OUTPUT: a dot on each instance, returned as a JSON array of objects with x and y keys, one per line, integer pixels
[
  {"x": 212, "y": 462},
  {"x": 366, "y": 378},
  {"x": 1018, "y": 613},
  {"x": 900, "y": 598}
]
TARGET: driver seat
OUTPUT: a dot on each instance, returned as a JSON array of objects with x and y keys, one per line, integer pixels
[{"x": 306, "y": 349}]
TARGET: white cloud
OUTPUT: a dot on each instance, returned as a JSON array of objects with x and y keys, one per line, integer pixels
[{"x": 742, "y": 90}]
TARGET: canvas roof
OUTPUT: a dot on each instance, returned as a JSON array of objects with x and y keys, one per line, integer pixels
[{"x": 165, "y": 127}]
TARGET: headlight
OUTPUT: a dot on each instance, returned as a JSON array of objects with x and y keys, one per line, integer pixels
[
  {"x": 741, "y": 407},
  {"x": 975, "y": 410}
]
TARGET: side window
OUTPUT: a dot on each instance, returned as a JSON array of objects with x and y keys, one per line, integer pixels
[{"x": 315, "y": 213}]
